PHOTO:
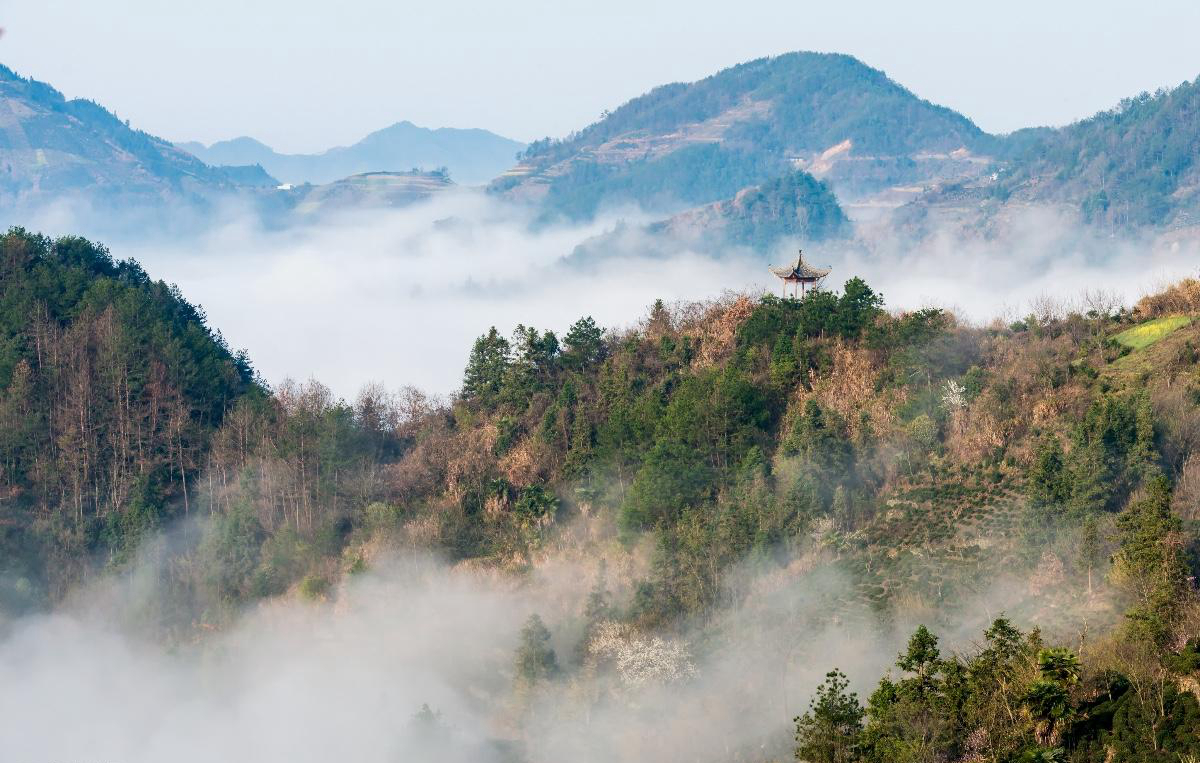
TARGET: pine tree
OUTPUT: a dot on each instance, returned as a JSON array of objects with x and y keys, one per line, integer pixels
[
  {"x": 830, "y": 731},
  {"x": 533, "y": 367},
  {"x": 1048, "y": 487},
  {"x": 1149, "y": 564},
  {"x": 584, "y": 344},
  {"x": 1089, "y": 547},
  {"x": 597, "y": 609},
  {"x": 1091, "y": 478},
  {"x": 486, "y": 367},
  {"x": 922, "y": 658},
  {"x": 535, "y": 660}
]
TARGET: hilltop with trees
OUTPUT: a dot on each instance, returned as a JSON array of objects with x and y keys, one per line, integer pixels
[{"x": 915, "y": 458}]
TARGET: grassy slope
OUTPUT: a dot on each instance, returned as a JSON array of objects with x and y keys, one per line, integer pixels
[{"x": 1145, "y": 334}]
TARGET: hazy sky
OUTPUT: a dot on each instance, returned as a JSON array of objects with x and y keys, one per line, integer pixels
[{"x": 305, "y": 75}]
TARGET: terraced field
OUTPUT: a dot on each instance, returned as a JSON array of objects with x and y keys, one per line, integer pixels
[{"x": 935, "y": 542}]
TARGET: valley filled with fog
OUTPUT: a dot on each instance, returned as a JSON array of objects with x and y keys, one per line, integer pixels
[
  {"x": 396, "y": 295},
  {"x": 407, "y": 441}
]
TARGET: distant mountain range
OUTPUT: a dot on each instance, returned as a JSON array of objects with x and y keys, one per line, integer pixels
[
  {"x": 471, "y": 157},
  {"x": 77, "y": 156},
  {"x": 805, "y": 145},
  {"x": 691, "y": 150}
]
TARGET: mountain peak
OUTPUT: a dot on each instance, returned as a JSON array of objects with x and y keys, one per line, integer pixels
[{"x": 687, "y": 144}]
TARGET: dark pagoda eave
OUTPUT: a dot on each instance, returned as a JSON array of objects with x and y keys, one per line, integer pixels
[{"x": 799, "y": 271}]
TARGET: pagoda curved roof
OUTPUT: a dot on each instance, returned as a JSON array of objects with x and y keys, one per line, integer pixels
[{"x": 799, "y": 270}]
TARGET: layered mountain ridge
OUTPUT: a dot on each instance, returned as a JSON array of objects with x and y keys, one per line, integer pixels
[
  {"x": 885, "y": 154},
  {"x": 469, "y": 156},
  {"x": 827, "y": 136}
]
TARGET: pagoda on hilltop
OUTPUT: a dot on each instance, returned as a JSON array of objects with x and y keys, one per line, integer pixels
[{"x": 800, "y": 274}]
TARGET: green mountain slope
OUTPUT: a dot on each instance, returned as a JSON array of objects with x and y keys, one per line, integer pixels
[
  {"x": 1133, "y": 166},
  {"x": 815, "y": 101},
  {"x": 52, "y": 149},
  {"x": 744, "y": 126}
]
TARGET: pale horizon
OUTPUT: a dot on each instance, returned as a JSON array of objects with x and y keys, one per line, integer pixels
[{"x": 303, "y": 80}]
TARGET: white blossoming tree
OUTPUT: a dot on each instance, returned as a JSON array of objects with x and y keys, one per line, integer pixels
[{"x": 641, "y": 661}]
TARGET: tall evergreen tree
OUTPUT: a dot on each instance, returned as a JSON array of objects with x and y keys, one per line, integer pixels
[
  {"x": 535, "y": 659},
  {"x": 830, "y": 730},
  {"x": 583, "y": 344},
  {"x": 486, "y": 367},
  {"x": 1149, "y": 564}
]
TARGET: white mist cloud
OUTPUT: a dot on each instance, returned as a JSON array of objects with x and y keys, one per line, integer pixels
[
  {"x": 293, "y": 681},
  {"x": 398, "y": 295},
  {"x": 1038, "y": 252},
  {"x": 288, "y": 682}
]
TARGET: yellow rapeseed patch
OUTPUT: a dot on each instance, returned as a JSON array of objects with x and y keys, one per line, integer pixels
[{"x": 1146, "y": 334}]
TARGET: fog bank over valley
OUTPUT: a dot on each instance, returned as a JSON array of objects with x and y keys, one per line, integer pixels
[{"x": 397, "y": 296}]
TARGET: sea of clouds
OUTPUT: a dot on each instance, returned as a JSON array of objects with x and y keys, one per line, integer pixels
[{"x": 398, "y": 295}]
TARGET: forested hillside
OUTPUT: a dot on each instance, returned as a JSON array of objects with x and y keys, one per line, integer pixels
[
  {"x": 53, "y": 148},
  {"x": 687, "y": 144},
  {"x": 796, "y": 206},
  {"x": 816, "y": 101},
  {"x": 711, "y": 455},
  {"x": 112, "y": 389},
  {"x": 1132, "y": 165}
]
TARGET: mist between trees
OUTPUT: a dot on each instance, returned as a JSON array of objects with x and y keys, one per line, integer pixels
[
  {"x": 365, "y": 287},
  {"x": 706, "y": 511}
]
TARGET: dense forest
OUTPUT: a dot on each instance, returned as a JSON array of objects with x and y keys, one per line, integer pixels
[
  {"x": 914, "y": 456},
  {"x": 818, "y": 100},
  {"x": 796, "y": 205},
  {"x": 687, "y": 177},
  {"x": 1131, "y": 165},
  {"x": 112, "y": 389},
  {"x": 686, "y": 144}
]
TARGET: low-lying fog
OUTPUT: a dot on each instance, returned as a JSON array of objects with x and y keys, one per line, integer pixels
[
  {"x": 294, "y": 681},
  {"x": 398, "y": 295}
]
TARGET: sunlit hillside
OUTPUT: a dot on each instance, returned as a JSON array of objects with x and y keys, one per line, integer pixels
[{"x": 677, "y": 503}]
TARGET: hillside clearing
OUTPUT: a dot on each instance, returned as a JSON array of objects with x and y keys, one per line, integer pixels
[{"x": 1142, "y": 336}]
